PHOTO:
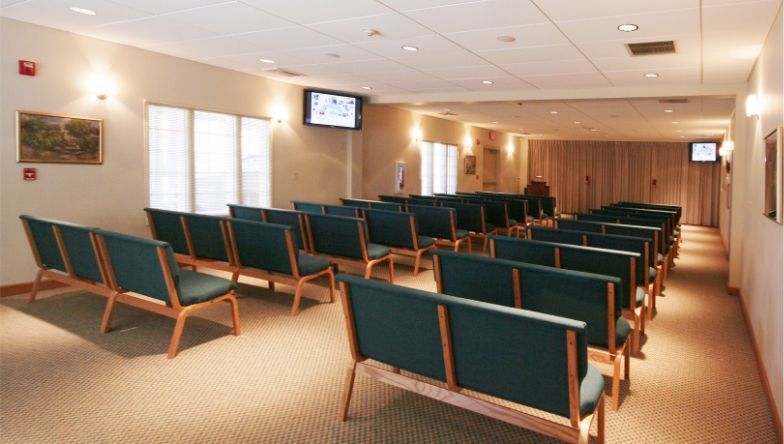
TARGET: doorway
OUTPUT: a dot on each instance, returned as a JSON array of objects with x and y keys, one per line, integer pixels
[{"x": 490, "y": 169}]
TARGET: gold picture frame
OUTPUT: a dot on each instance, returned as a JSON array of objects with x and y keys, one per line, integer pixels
[
  {"x": 469, "y": 164},
  {"x": 57, "y": 138}
]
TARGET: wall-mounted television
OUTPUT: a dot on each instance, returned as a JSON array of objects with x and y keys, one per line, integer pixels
[
  {"x": 332, "y": 109},
  {"x": 704, "y": 152}
]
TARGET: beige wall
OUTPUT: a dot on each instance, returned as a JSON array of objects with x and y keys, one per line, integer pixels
[
  {"x": 756, "y": 242},
  {"x": 309, "y": 162},
  {"x": 389, "y": 137}
]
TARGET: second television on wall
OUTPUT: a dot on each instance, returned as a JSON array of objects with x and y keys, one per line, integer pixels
[{"x": 331, "y": 109}]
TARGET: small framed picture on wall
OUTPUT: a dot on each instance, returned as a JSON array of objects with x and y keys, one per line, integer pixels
[
  {"x": 400, "y": 177},
  {"x": 469, "y": 165}
]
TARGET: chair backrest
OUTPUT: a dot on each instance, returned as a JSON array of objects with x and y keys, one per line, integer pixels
[
  {"x": 435, "y": 222},
  {"x": 359, "y": 203},
  {"x": 497, "y": 213},
  {"x": 308, "y": 207},
  {"x": 423, "y": 201},
  {"x": 166, "y": 226},
  {"x": 80, "y": 251},
  {"x": 590, "y": 217},
  {"x": 530, "y": 252},
  {"x": 207, "y": 237},
  {"x": 475, "y": 277},
  {"x": 638, "y": 245},
  {"x": 43, "y": 242},
  {"x": 517, "y": 355},
  {"x": 577, "y": 225},
  {"x": 517, "y": 208},
  {"x": 264, "y": 246},
  {"x": 389, "y": 206},
  {"x": 340, "y": 210},
  {"x": 470, "y": 217},
  {"x": 245, "y": 212},
  {"x": 649, "y": 233},
  {"x": 74, "y": 253},
  {"x": 292, "y": 218},
  {"x": 391, "y": 228},
  {"x": 337, "y": 235},
  {"x": 393, "y": 199},
  {"x": 561, "y": 236},
  {"x": 140, "y": 265}
]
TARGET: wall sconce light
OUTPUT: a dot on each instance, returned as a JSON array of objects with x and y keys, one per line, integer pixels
[
  {"x": 726, "y": 147},
  {"x": 468, "y": 144},
  {"x": 102, "y": 86},
  {"x": 416, "y": 134},
  {"x": 280, "y": 113},
  {"x": 510, "y": 149},
  {"x": 752, "y": 106}
]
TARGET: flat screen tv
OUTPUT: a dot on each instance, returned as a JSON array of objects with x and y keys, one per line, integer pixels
[
  {"x": 335, "y": 110},
  {"x": 704, "y": 152}
]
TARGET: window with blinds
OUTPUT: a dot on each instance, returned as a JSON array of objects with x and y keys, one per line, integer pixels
[
  {"x": 199, "y": 160},
  {"x": 438, "y": 172}
]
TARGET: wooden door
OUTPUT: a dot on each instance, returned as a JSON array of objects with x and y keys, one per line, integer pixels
[{"x": 490, "y": 170}]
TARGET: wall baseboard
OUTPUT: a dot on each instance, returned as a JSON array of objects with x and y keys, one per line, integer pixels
[
  {"x": 763, "y": 374},
  {"x": 734, "y": 291},
  {"x": 27, "y": 287}
]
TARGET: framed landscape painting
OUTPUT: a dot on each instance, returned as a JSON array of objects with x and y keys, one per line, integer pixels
[{"x": 52, "y": 138}]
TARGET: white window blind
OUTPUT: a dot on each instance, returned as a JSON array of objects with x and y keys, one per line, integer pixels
[
  {"x": 426, "y": 168},
  {"x": 169, "y": 157},
  {"x": 200, "y": 161},
  {"x": 439, "y": 168},
  {"x": 451, "y": 169}
]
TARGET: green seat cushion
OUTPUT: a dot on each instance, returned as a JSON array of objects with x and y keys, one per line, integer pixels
[
  {"x": 512, "y": 222},
  {"x": 424, "y": 241},
  {"x": 376, "y": 251},
  {"x": 311, "y": 264},
  {"x": 639, "y": 296},
  {"x": 652, "y": 273},
  {"x": 591, "y": 390},
  {"x": 530, "y": 219},
  {"x": 461, "y": 233},
  {"x": 490, "y": 228},
  {"x": 198, "y": 287},
  {"x": 661, "y": 258},
  {"x": 622, "y": 330}
]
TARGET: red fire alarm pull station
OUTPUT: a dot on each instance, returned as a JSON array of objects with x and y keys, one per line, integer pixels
[
  {"x": 26, "y": 68},
  {"x": 30, "y": 174}
]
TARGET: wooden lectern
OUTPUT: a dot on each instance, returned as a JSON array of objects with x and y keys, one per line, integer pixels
[{"x": 536, "y": 188}]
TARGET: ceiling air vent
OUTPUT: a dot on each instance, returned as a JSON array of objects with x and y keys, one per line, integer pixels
[
  {"x": 284, "y": 73},
  {"x": 651, "y": 48},
  {"x": 673, "y": 100}
]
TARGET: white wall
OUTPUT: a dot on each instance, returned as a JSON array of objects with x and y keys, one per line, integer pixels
[
  {"x": 309, "y": 162},
  {"x": 756, "y": 242}
]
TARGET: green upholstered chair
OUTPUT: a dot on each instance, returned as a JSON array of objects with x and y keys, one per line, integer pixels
[
  {"x": 344, "y": 241},
  {"x": 440, "y": 224},
  {"x": 308, "y": 207},
  {"x": 148, "y": 268},
  {"x": 570, "y": 224},
  {"x": 560, "y": 236},
  {"x": 267, "y": 251},
  {"x": 532, "y": 359},
  {"x": 389, "y": 206},
  {"x": 359, "y": 203},
  {"x": 397, "y": 230},
  {"x": 64, "y": 253},
  {"x": 472, "y": 218},
  {"x": 244, "y": 212},
  {"x": 341, "y": 210}
]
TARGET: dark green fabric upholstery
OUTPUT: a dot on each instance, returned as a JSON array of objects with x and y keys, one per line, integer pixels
[
  {"x": 376, "y": 251},
  {"x": 393, "y": 199},
  {"x": 623, "y": 243},
  {"x": 337, "y": 235},
  {"x": 207, "y": 237},
  {"x": 601, "y": 261},
  {"x": 391, "y": 228},
  {"x": 80, "y": 251},
  {"x": 591, "y": 390},
  {"x": 45, "y": 242},
  {"x": 195, "y": 287},
  {"x": 309, "y": 264},
  {"x": 389, "y": 206},
  {"x": 245, "y": 212},
  {"x": 585, "y": 217},
  {"x": 659, "y": 259},
  {"x": 497, "y": 213},
  {"x": 468, "y": 216},
  {"x": 290, "y": 218},
  {"x": 308, "y": 207},
  {"x": 168, "y": 228},
  {"x": 517, "y": 210},
  {"x": 476, "y": 278},
  {"x": 639, "y": 296},
  {"x": 652, "y": 274},
  {"x": 622, "y": 330},
  {"x": 557, "y": 235},
  {"x": 649, "y": 233},
  {"x": 339, "y": 210},
  {"x": 530, "y": 252},
  {"x": 425, "y": 241},
  {"x": 136, "y": 266},
  {"x": 434, "y": 222},
  {"x": 569, "y": 224},
  {"x": 262, "y": 245},
  {"x": 359, "y": 203},
  {"x": 460, "y": 233}
]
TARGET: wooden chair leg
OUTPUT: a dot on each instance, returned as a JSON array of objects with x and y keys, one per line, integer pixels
[
  {"x": 297, "y": 297},
  {"x": 416, "y": 262},
  {"x": 642, "y": 317},
  {"x": 368, "y": 270},
  {"x": 470, "y": 247},
  {"x": 391, "y": 270},
  {"x": 348, "y": 387},
  {"x": 179, "y": 326},
  {"x": 36, "y": 284},
  {"x": 627, "y": 362},
  {"x": 616, "y": 384},
  {"x": 331, "y": 286},
  {"x": 484, "y": 244},
  {"x": 235, "y": 314},
  {"x": 235, "y": 276},
  {"x": 636, "y": 335},
  {"x": 108, "y": 312},
  {"x": 271, "y": 285},
  {"x": 600, "y": 422}
]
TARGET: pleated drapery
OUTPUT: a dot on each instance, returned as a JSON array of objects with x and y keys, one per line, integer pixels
[{"x": 588, "y": 174}]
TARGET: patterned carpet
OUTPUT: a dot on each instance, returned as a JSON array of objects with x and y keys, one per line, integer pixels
[{"x": 280, "y": 381}]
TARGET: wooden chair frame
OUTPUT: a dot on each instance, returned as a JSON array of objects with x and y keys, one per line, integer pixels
[
  {"x": 172, "y": 308},
  {"x": 365, "y": 262},
  {"x": 416, "y": 251},
  {"x": 191, "y": 259},
  {"x": 484, "y": 235},
  {"x": 303, "y": 232},
  {"x": 454, "y": 242},
  {"x": 577, "y": 431},
  {"x": 296, "y": 280},
  {"x": 69, "y": 278}
]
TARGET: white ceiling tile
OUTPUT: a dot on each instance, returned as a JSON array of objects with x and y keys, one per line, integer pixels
[
  {"x": 666, "y": 77},
  {"x": 500, "y": 84},
  {"x": 288, "y": 38},
  {"x": 533, "y": 54},
  {"x": 326, "y": 54},
  {"x": 401, "y": 75},
  {"x": 423, "y": 61},
  {"x": 540, "y": 34},
  {"x": 469, "y": 16},
  {"x": 653, "y": 27},
  {"x": 208, "y": 48},
  {"x": 164, "y": 6},
  {"x": 5, "y": 3},
  {"x": 428, "y": 45},
  {"x": 251, "y": 59},
  {"x": 309, "y": 11},
  {"x": 56, "y": 13},
  {"x": 411, "y": 5},
  {"x": 150, "y": 31},
  {"x": 483, "y": 71},
  {"x": 414, "y": 85},
  {"x": 743, "y": 19},
  {"x": 568, "y": 80},
  {"x": 560, "y": 10},
  {"x": 686, "y": 56},
  {"x": 230, "y": 18},
  {"x": 551, "y": 67},
  {"x": 717, "y": 73},
  {"x": 389, "y": 26}
]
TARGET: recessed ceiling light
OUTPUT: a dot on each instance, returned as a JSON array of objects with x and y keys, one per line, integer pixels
[
  {"x": 371, "y": 32},
  {"x": 651, "y": 75},
  {"x": 577, "y": 123},
  {"x": 332, "y": 55},
  {"x": 410, "y": 48},
  {"x": 367, "y": 88},
  {"x": 82, "y": 10},
  {"x": 594, "y": 130},
  {"x": 487, "y": 82},
  {"x": 628, "y": 27},
  {"x": 678, "y": 131},
  {"x": 506, "y": 38},
  {"x": 266, "y": 61},
  {"x": 675, "y": 122},
  {"x": 682, "y": 137},
  {"x": 553, "y": 112},
  {"x": 667, "y": 110},
  {"x": 493, "y": 123}
]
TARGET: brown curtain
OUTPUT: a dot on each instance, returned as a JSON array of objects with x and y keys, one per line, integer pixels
[{"x": 589, "y": 174}]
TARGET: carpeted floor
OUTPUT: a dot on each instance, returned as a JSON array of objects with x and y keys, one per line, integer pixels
[{"x": 281, "y": 380}]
